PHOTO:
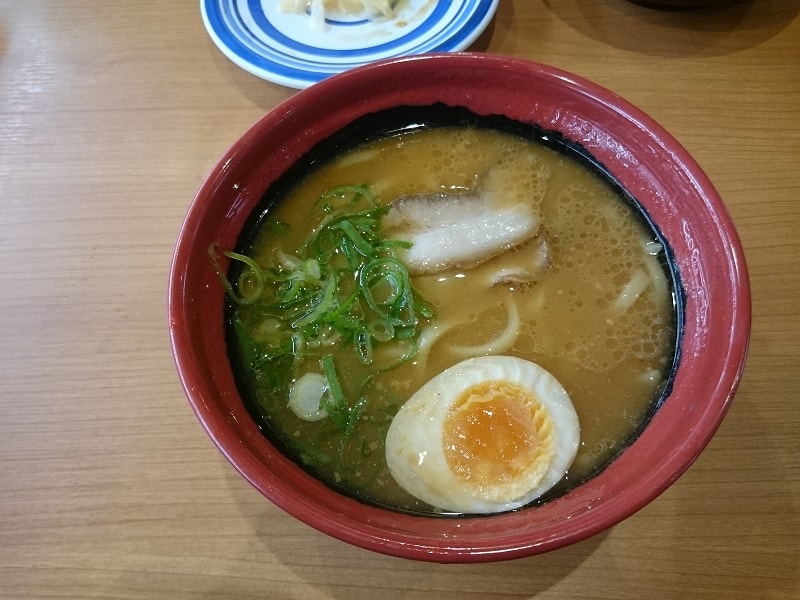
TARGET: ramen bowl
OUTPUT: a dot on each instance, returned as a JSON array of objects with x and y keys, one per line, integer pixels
[{"x": 711, "y": 292}]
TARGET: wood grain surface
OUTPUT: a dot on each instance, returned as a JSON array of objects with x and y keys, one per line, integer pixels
[{"x": 112, "y": 113}]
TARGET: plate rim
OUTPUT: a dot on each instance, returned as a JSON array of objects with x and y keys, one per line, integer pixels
[{"x": 303, "y": 72}]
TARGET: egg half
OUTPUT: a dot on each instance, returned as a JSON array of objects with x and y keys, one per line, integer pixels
[{"x": 487, "y": 435}]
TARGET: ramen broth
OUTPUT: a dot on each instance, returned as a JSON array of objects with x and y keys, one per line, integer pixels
[{"x": 598, "y": 312}]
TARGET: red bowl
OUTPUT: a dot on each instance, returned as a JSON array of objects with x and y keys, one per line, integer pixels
[{"x": 641, "y": 155}]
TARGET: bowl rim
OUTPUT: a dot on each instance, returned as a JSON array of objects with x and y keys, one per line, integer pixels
[{"x": 711, "y": 264}]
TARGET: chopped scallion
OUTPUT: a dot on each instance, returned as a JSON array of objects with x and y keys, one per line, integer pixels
[{"x": 344, "y": 286}]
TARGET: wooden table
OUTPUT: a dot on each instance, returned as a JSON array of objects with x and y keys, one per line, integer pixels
[{"x": 111, "y": 114}]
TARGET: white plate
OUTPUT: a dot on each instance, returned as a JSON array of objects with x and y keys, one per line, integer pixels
[{"x": 286, "y": 48}]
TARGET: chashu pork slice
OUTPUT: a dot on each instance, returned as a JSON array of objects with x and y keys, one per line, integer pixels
[{"x": 458, "y": 230}]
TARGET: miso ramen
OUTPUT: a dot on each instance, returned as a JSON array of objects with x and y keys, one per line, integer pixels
[{"x": 335, "y": 321}]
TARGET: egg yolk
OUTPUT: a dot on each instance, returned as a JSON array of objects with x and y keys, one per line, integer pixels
[{"x": 498, "y": 439}]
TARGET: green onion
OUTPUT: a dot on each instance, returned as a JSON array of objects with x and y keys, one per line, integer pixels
[
  {"x": 298, "y": 346},
  {"x": 363, "y": 343},
  {"x": 362, "y": 245},
  {"x": 254, "y": 272},
  {"x": 345, "y": 286},
  {"x": 382, "y": 330},
  {"x": 335, "y": 403},
  {"x": 322, "y": 306},
  {"x": 353, "y": 193},
  {"x": 397, "y": 307}
]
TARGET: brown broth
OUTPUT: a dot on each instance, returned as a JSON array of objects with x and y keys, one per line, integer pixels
[{"x": 612, "y": 359}]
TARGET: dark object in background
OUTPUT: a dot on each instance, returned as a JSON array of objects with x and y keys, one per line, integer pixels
[{"x": 685, "y": 4}]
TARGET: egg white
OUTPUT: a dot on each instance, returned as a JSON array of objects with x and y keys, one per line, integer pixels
[{"x": 415, "y": 446}]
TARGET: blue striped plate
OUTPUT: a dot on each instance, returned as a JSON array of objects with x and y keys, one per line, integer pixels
[{"x": 287, "y": 49}]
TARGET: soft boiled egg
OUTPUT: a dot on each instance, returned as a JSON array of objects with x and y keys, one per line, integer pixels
[{"x": 487, "y": 435}]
